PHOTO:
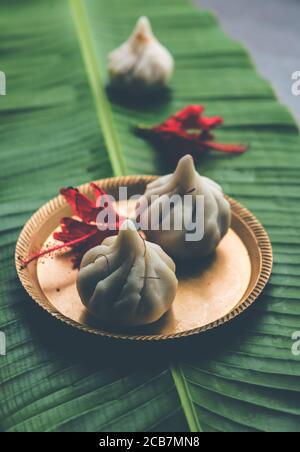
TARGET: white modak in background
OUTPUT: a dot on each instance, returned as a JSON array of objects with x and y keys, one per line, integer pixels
[{"x": 142, "y": 62}]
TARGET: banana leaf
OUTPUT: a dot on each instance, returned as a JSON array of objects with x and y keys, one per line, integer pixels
[{"x": 61, "y": 126}]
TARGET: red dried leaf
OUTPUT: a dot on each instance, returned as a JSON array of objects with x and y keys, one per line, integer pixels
[
  {"x": 81, "y": 205},
  {"x": 230, "y": 148},
  {"x": 72, "y": 229},
  {"x": 189, "y": 132},
  {"x": 80, "y": 236}
]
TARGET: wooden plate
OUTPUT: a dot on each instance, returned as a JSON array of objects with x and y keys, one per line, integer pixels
[{"x": 210, "y": 293}]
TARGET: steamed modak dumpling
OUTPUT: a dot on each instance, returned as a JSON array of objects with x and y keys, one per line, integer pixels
[
  {"x": 127, "y": 281},
  {"x": 200, "y": 230},
  {"x": 141, "y": 62}
]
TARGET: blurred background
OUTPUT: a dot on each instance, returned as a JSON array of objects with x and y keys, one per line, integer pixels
[{"x": 270, "y": 30}]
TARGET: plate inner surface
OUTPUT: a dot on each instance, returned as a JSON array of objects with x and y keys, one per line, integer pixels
[{"x": 208, "y": 290}]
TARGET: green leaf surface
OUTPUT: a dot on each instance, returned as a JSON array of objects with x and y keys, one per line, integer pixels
[{"x": 59, "y": 126}]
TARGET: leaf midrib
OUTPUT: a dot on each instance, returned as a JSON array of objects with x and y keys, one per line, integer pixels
[
  {"x": 102, "y": 104},
  {"x": 106, "y": 123},
  {"x": 185, "y": 398}
]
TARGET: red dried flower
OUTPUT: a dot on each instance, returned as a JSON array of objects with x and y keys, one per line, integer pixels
[
  {"x": 84, "y": 234},
  {"x": 189, "y": 132}
]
